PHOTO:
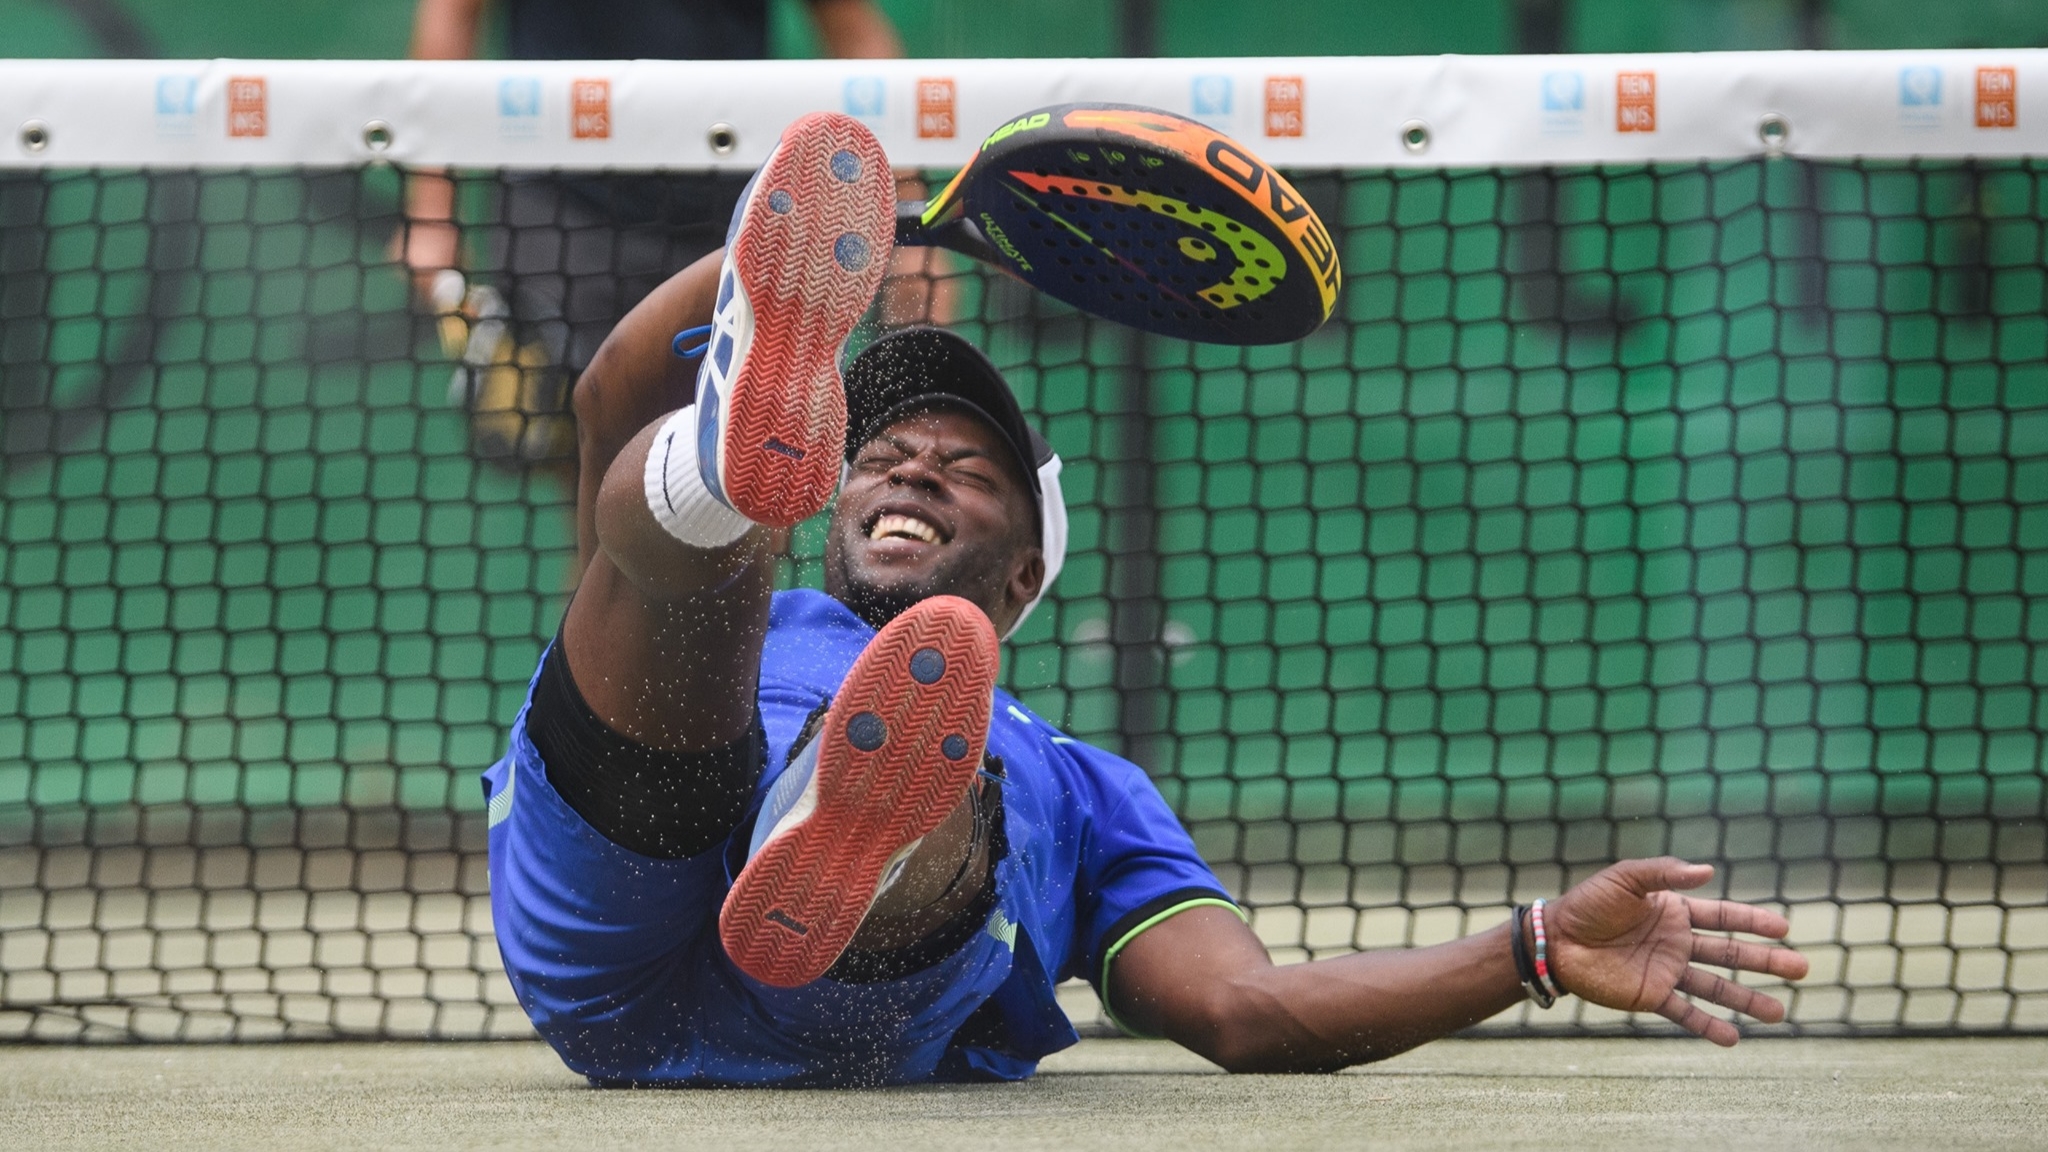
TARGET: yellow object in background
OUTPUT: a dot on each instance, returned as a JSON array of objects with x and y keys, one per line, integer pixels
[{"x": 516, "y": 396}]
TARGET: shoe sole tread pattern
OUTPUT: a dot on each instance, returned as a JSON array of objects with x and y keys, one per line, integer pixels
[
  {"x": 802, "y": 897},
  {"x": 786, "y": 431}
]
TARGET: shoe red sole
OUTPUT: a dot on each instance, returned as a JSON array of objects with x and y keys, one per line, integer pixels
[
  {"x": 786, "y": 432},
  {"x": 883, "y": 779}
]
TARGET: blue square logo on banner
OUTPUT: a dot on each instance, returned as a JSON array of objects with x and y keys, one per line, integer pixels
[
  {"x": 865, "y": 96},
  {"x": 1561, "y": 100},
  {"x": 1564, "y": 92},
  {"x": 519, "y": 108},
  {"x": 1210, "y": 96},
  {"x": 175, "y": 95},
  {"x": 177, "y": 105},
  {"x": 1919, "y": 87},
  {"x": 519, "y": 96},
  {"x": 1920, "y": 96}
]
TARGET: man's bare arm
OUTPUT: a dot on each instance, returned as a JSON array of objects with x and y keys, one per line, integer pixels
[
  {"x": 441, "y": 30},
  {"x": 1621, "y": 939},
  {"x": 855, "y": 30},
  {"x": 446, "y": 29},
  {"x": 664, "y": 639},
  {"x": 634, "y": 379}
]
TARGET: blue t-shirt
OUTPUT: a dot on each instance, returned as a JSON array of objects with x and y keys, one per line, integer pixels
[
  {"x": 616, "y": 958},
  {"x": 1093, "y": 843}
]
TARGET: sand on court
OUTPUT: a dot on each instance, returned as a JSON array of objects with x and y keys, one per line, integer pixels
[{"x": 1585, "y": 1095}]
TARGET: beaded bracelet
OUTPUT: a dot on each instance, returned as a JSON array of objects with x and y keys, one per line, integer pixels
[
  {"x": 1525, "y": 970},
  {"x": 1544, "y": 979}
]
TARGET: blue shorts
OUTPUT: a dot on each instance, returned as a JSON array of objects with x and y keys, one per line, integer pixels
[{"x": 617, "y": 960}]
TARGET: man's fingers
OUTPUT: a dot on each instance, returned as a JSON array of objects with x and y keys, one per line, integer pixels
[
  {"x": 1693, "y": 1019},
  {"x": 1728, "y": 994},
  {"x": 1662, "y": 872},
  {"x": 1734, "y": 916},
  {"x": 1721, "y": 952}
]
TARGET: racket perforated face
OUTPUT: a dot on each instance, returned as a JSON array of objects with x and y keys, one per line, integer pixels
[{"x": 1151, "y": 220}]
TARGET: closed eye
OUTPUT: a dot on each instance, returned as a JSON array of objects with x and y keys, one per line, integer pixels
[
  {"x": 977, "y": 476},
  {"x": 877, "y": 461},
  {"x": 973, "y": 469}
]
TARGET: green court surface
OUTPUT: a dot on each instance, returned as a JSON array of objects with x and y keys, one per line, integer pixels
[{"x": 1586, "y": 1095}]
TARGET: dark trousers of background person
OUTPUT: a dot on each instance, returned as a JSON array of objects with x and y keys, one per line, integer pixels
[{"x": 570, "y": 256}]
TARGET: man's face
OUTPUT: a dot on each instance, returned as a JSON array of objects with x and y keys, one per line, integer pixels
[{"x": 934, "y": 504}]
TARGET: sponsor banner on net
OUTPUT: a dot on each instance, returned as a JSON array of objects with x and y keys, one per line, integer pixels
[{"x": 1556, "y": 110}]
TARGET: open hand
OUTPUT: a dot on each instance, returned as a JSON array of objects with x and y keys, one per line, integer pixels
[{"x": 1624, "y": 939}]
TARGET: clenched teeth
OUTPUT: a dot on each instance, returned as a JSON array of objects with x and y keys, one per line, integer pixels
[{"x": 906, "y": 527}]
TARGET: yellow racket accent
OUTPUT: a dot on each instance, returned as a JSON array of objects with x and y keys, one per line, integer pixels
[
  {"x": 945, "y": 202},
  {"x": 1260, "y": 266},
  {"x": 1262, "y": 188}
]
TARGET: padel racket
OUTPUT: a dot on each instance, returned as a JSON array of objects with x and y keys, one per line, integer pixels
[{"x": 1143, "y": 217}]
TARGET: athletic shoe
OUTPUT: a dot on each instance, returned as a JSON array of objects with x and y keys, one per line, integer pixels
[
  {"x": 809, "y": 242},
  {"x": 898, "y": 749}
]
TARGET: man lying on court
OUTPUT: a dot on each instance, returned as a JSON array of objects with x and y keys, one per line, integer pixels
[{"x": 702, "y": 874}]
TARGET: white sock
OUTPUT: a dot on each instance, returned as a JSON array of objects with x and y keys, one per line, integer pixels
[{"x": 675, "y": 489}]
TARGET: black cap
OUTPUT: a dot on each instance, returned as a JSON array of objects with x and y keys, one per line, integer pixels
[{"x": 918, "y": 367}]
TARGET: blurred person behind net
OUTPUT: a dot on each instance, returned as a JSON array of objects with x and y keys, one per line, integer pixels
[{"x": 559, "y": 257}]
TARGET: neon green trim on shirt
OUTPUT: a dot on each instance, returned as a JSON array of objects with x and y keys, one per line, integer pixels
[{"x": 1109, "y": 957}]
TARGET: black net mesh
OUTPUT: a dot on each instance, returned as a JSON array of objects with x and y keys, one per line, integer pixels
[{"x": 1695, "y": 509}]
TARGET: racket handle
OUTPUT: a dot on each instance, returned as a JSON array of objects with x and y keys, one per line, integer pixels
[
  {"x": 958, "y": 234},
  {"x": 910, "y": 221}
]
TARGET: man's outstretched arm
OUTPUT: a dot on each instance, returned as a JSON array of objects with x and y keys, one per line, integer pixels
[{"x": 1624, "y": 939}]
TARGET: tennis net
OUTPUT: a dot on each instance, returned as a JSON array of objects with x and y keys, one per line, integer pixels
[{"x": 1673, "y": 477}]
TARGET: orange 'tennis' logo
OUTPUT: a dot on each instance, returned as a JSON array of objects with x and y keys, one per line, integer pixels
[
  {"x": 247, "y": 115},
  {"x": 1635, "y": 102},
  {"x": 935, "y": 111},
  {"x": 1998, "y": 98},
  {"x": 1284, "y": 116},
  {"x": 590, "y": 109}
]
